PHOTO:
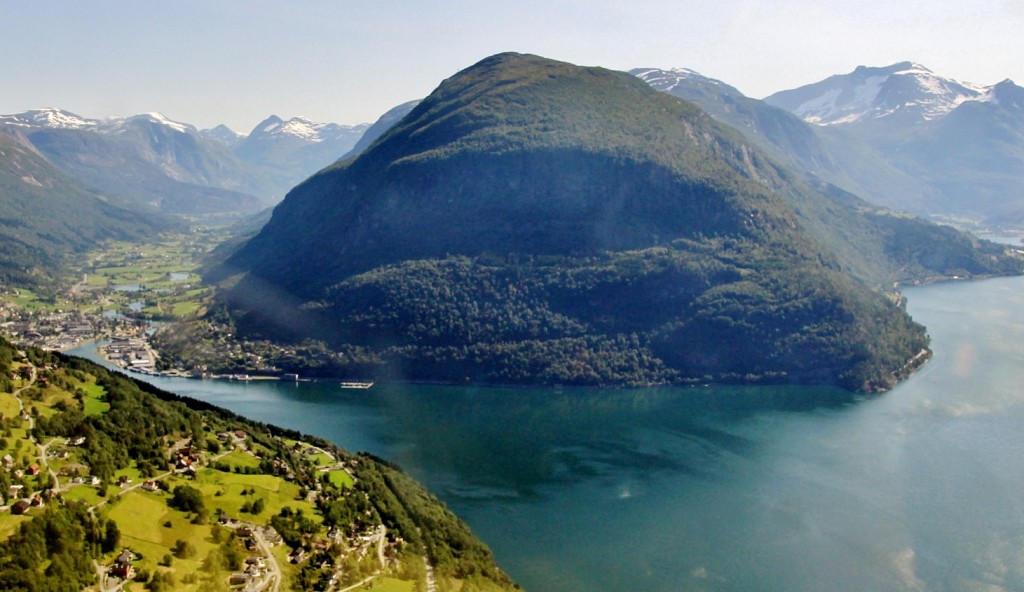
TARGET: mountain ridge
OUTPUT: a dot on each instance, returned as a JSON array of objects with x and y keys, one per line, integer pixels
[
  {"x": 166, "y": 165},
  {"x": 900, "y": 136}
]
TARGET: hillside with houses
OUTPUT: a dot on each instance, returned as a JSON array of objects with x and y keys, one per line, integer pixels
[{"x": 109, "y": 484}]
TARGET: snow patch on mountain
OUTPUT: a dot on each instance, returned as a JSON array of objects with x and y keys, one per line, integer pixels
[
  {"x": 304, "y": 129},
  {"x": 907, "y": 89},
  {"x": 838, "y": 106},
  {"x": 60, "y": 119},
  {"x": 159, "y": 118},
  {"x": 48, "y": 118},
  {"x": 668, "y": 80}
]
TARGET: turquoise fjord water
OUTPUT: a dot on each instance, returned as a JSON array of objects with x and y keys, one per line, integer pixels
[{"x": 736, "y": 489}]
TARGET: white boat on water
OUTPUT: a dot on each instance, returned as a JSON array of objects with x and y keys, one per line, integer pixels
[{"x": 356, "y": 384}]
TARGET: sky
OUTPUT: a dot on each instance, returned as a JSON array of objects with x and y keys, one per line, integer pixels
[{"x": 236, "y": 62}]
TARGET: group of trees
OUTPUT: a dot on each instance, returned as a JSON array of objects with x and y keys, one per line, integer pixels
[
  {"x": 725, "y": 310},
  {"x": 136, "y": 427},
  {"x": 64, "y": 539}
]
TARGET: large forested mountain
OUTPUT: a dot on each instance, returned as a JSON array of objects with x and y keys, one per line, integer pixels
[
  {"x": 532, "y": 220},
  {"x": 45, "y": 216}
]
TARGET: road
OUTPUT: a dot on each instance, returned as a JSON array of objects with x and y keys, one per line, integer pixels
[
  {"x": 273, "y": 577},
  {"x": 43, "y": 464}
]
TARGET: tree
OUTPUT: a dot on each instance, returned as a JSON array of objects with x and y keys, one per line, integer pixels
[
  {"x": 187, "y": 499},
  {"x": 184, "y": 549},
  {"x": 111, "y": 537}
]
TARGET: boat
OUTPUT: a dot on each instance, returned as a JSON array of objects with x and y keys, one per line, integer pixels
[{"x": 356, "y": 384}]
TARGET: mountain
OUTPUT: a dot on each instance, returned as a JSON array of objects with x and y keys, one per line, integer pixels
[
  {"x": 287, "y": 152},
  {"x": 147, "y": 159},
  {"x": 906, "y": 92},
  {"x": 383, "y": 124},
  {"x": 45, "y": 215},
  {"x": 779, "y": 133},
  {"x": 172, "y": 167},
  {"x": 224, "y": 135},
  {"x": 535, "y": 221},
  {"x": 911, "y": 139}
]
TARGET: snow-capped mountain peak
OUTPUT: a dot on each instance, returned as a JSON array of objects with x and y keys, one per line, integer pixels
[
  {"x": 222, "y": 134},
  {"x": 668, "y": 80},
  {"x": 48, "y": 118},
  {"x": 302, "y": 128},
  {"x": 61, "y": 119},
  {"x": 159, "y": 119},
  {"x": 118, "y": 125},
  {"x": 905, "y": 89}
]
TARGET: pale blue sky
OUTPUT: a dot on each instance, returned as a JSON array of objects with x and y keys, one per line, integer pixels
[{"x": 237, "y": 61}]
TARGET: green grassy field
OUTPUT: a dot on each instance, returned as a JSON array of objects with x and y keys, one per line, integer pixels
[
  {"x": 223, "y": 491},
  {"x": 240, "y": 458},
  {"x": 131, "y": 472},
  {"x": 321, "y": 460},
  {"x": 9, "y": 523},
  {"x": 95, "y": 399},
  {"x": 393, "y": 585},
  {"x": 341, "y": 478},
  {"x": 142, "y": 518},
  {"x": 85, "y": 493},
  {"x": 184, "y": 309},
  {"x": 9, "y": 406}
]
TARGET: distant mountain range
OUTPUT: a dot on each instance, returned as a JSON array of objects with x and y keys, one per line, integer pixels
[
  {"x": 535, "y": 221},
  {"x": 168, "y": 166},
  {"x": 900, "y": 136}
]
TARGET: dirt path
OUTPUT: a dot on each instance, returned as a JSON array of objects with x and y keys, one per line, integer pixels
[
  {"x": 43, "y": 464},
  {"x": 431, "y": 581}
]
